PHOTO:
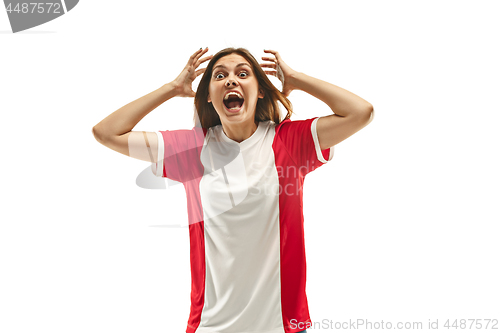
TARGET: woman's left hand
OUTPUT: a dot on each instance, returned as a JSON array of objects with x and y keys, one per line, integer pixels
[{"x": 281, "y": 70}]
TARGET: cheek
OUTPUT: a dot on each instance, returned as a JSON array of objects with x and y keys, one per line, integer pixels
[{"x": 210, "y": 94}]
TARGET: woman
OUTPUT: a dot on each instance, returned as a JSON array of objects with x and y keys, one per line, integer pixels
[{"x": 243, "y": 168}]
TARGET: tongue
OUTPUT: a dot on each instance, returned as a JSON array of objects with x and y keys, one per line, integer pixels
[{"x": 234, "y": 104}]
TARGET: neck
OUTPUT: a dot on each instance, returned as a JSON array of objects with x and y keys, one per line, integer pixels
[{"x": 240, "y": 132}]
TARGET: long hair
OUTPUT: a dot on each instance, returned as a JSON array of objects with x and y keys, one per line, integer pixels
[{"x": 267, "y": 108}]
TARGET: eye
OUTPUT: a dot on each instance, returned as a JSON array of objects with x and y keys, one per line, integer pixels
[
  {"x": 219, "y": 76},
  {"x": 243, "y": 74}
]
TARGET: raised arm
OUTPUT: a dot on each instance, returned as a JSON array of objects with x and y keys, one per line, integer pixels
[
  {"x": 351, "y": 112},
  {"x": 115, "y": 131}
]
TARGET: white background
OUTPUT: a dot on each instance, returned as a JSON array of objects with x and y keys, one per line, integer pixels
[{"x": 402, "y": 224}]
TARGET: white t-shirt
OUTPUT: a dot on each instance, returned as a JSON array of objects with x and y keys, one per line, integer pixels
[{"x": 248, "y": 264}]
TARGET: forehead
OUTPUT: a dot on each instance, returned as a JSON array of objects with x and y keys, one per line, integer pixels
[{"x": 231, "y": 60}]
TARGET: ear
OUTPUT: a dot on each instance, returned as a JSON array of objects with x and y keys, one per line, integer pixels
[
  {"x": 261, "y": 93},
  {"x": 209, "y": 100}
]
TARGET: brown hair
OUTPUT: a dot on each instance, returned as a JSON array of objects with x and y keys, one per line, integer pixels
[{"x": 267, "y": 108}]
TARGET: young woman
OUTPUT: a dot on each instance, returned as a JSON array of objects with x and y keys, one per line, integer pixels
[{"x": 243, "y": 166}]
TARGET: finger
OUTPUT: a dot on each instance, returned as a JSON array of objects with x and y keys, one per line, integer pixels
[
  {"x": 275, "y": 53},
  {"x": 198, "y": 56},
  {"x": 202, "y": 60},
  {"x": 273, "y": 73},
  {"x": 200, "y": 71},
  {"x": 269, "y": 59},
  {"x": 195, "y": 54},
  {"x": 268, "y": 65}
]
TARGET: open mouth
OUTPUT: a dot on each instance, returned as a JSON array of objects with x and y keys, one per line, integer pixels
[{"x": 233, "y": 101}]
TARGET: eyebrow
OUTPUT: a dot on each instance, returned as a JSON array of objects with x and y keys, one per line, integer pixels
[{"x": 240, "y": 64}]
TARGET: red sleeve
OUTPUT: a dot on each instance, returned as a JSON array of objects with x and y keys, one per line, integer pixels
[
  {"x": 300, "y": 139},
  {"x": 179, "y": 154}
]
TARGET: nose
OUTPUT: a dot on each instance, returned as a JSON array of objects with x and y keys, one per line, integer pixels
[{"x": 230, "y": 83}]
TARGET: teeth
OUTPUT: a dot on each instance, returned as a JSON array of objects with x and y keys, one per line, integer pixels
[{"x": 232, "y": 93}]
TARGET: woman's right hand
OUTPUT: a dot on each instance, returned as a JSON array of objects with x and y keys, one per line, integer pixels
[{"x": 183, "y": 83}]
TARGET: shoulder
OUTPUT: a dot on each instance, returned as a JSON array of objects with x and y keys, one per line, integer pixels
[{"x": 296, "y": 126}]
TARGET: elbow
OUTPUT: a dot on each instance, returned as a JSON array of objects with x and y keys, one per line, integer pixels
[
  {"x": 97, "y": 134},
  {"x": 371, "y": 114},
  {"x": 365, "y": 111},
  {"x": 368, "y": 108},
  {"x": 367, "y": 114},
  {"x": 94, "y": 132}
]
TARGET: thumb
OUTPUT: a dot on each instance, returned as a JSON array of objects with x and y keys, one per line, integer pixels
[{"x": 286, "y": 92}]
